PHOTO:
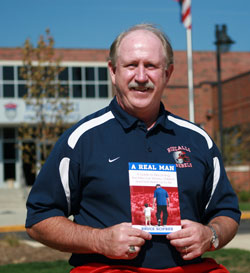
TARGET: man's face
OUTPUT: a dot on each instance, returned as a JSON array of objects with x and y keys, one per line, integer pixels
[{"x": 140, "y": 75}]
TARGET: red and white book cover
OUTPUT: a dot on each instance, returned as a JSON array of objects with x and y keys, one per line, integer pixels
[{"x": 154, "y": 197}]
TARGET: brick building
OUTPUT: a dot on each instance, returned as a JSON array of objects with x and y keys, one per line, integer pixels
[{"x": 90, "y": 89}]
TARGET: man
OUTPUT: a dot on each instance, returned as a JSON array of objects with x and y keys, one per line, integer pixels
[
  {"x": 161, "y": 199},
  {"x": 86, "y": 175}
]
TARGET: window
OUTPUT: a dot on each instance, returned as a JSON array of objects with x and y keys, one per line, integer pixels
[
  {"x": 77, "y": 73},
  {"x": 22, "y": 90},
  {"x": 90, "y": 91},
  {"x": 103, "y": 91},
  {"x": 64, "y": 75},
  {"x": 9, "y": 133},
  {"x": 9, "y": 171},
  {"x": 76, "y": 82},
  {"x": 9, "y": 152},
  {"x": 8, "y": 73},
  {"x": 89, "y": 74},
  {"x": 8, "y": 91},
  {"x": 77, "y": 91},
  {"x": 102, "y": 73}
]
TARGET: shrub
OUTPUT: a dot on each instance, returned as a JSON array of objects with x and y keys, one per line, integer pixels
[{"x": 244, "y": 196}]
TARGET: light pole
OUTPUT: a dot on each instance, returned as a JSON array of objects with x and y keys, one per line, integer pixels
[{"x": 223, "y": 43}]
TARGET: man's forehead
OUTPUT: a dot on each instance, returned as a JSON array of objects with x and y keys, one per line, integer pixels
[
  {"x": 140, "y": 39},
  {"x": 139, "y": 34}
]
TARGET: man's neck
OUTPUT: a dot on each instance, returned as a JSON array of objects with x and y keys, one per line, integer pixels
[{"x": 148, "y": 116}]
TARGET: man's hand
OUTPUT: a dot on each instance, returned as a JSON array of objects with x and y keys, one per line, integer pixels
[
  {"x": 114, "y": 242},
  {"x": 192, "y": 240}
]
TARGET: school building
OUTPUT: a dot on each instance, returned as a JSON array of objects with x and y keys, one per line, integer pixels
[{"x": 87, "y": 79}]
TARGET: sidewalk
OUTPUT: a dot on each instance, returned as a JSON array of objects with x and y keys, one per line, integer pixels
[
  {"x": 241, "y": 241},
  {"x": 13, "y": 215}
]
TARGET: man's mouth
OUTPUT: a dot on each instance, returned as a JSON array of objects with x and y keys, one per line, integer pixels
[{"x": 141, "y": 87}]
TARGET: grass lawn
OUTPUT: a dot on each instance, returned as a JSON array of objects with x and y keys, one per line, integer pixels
[
  {"x": 236, "y": 261},
  {"x": 37, "y": 267},
  {"x": 244, "y": 206}
]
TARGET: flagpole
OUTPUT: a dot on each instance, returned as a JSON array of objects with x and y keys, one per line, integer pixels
[
  {"x": 186, "y": 19},
  {"x": 190, "y": 75}
]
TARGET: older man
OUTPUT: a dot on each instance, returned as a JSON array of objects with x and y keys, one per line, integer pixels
[{"x": 86, "y": 174}]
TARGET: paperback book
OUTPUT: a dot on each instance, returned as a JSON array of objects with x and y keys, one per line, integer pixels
[{"x": 154, "y": 197}]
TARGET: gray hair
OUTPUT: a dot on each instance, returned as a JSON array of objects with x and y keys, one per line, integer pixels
[{"x": 147, "y": 27}]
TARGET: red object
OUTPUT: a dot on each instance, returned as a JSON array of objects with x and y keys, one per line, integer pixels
[
  {"x": 207, "y": 266},
  {"x": 10, "y": 106},
  {"x": 186, "y": 13}
]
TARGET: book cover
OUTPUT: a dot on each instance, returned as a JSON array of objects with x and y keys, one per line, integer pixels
[{"x": 154, "y": 197}]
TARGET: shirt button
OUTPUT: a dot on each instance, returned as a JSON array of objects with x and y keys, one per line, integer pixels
[{"x": 149, "y": 149}]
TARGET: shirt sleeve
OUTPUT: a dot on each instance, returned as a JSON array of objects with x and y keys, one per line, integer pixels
[
  {"x": 222, "y": 199},
  {"x": 51, "y": 193}
]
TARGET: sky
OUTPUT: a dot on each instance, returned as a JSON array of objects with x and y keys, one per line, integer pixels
[{"x": 96, "y": 23}]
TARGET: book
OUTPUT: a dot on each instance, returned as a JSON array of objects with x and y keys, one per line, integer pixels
[{"x": 154, "y": 197}]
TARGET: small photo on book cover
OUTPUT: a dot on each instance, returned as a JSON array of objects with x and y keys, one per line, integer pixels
[{"x": 154, "y": 197}]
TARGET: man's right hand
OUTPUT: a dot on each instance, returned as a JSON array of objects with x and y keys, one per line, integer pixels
[{"x": 114, "y": 241}]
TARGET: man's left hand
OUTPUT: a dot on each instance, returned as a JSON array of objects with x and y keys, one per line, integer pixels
[{"x": 192, "y": 240}]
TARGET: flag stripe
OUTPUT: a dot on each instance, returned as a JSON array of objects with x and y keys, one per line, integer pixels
[{"x": 186, "y": 13}]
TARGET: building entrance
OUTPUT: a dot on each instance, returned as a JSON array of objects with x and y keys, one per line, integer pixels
[
  {"x": 15, "y": 163},
  {"x": 28, "y": 160},
  {"x": 8, "y": 155}
]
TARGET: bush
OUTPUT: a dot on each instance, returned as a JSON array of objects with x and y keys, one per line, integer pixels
[{"x": 244, "y": 196}]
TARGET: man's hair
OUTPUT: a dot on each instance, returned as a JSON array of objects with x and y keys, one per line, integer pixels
[{"x": 147, "y": 27}]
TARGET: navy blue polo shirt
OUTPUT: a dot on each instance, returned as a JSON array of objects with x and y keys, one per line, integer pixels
[{"x": 86, "y": 175}]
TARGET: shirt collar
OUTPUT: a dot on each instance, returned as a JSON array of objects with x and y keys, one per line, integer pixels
[{"x": 127, "y": 121}]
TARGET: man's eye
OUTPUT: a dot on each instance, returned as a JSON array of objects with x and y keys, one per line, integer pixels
[
  {"x": 150, "y": 66},
  {"x": 131, "y": 65}
]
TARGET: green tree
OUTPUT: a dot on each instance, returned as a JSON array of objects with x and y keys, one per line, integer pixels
[
  {"x": 237, "y": 144},
  {"x": 46, "y": 100}
]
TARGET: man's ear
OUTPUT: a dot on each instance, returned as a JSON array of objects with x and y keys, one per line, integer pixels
[
  {"x": 169, "y": 72},
  {"x": 111, "y": 71}
]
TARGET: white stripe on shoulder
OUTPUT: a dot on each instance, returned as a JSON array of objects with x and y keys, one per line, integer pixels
[
  {"x": 74, "y": 137},
  {"x": 64, "y": 175},
  {"x": 216, "y": 177},
  {"x": 193, "y": 127}
]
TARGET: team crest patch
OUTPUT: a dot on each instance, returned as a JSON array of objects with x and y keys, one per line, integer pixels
[
  {"x": 181, "y": 156},
  {"x": 10, "y": 110}
]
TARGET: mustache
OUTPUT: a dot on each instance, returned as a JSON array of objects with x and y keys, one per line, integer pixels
[{"x": 147, "y": 85}]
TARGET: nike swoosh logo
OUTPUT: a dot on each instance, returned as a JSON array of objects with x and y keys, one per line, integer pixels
[{"x": 112, "y": 160}]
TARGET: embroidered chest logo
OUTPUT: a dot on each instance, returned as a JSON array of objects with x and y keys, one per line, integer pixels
[{"x": 180, "y": 155}]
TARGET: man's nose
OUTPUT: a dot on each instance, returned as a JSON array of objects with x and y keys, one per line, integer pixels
[{"x": 141, "y": 74}]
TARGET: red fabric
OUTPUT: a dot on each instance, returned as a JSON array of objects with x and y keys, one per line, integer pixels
[{"x": 207, "y": 266}]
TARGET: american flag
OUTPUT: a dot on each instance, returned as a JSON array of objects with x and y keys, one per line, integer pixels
[{"x": 186, "y": 13}]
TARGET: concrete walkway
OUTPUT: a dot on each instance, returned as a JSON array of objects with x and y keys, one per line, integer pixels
[
  {"x": 13, "y": 215},
  {"x": 241, "y": 241}
]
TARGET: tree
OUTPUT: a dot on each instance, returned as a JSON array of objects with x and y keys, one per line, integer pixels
[
  {"x": 237, "y": 144},
  {"x": 46, "y": 99}
]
